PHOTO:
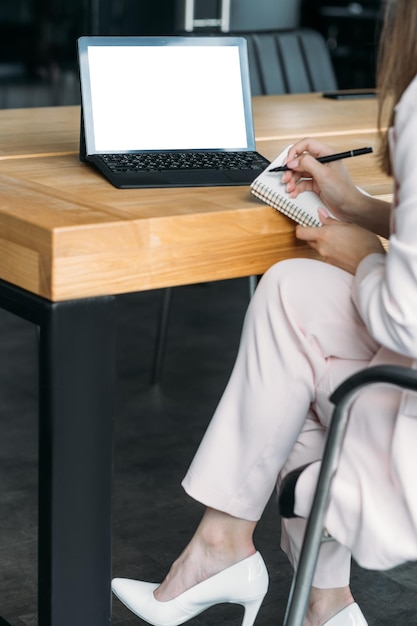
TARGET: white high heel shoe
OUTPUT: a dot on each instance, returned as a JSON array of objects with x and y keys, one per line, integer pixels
[
  {"x": 349, "y": 616},
  {"x": 244, "y": 583}
]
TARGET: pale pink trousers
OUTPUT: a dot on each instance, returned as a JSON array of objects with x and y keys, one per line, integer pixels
[{"x": 302, "y": 336}]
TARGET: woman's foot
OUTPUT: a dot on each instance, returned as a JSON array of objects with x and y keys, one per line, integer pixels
[
  {"x": 326, "y": 603},
  {"x": 219, "y": 542},
  {"x": 244, "y": 583}
]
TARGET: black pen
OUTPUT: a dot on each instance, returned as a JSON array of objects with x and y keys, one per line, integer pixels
[{"x": 329, "y": 158}]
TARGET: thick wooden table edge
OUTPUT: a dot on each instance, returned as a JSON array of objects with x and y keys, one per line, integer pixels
[{"x": 67, "y": 234}]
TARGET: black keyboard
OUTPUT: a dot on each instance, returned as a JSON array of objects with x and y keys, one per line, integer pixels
[{"x": 151, "y": 162}]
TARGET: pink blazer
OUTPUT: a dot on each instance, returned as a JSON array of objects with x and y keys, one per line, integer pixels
[{"x": 385, "y": 294}]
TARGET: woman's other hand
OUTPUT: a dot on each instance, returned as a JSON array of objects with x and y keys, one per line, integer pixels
[{"x": 340, "y": 243}]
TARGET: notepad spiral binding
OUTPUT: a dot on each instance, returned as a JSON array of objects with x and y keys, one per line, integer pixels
[{"x": 283, "y": 204}]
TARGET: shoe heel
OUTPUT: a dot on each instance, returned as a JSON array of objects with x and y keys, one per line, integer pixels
[{"x": 251, "y": 611}]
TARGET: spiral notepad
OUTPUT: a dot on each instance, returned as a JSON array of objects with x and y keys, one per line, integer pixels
[{"x": 268, "y": 187}]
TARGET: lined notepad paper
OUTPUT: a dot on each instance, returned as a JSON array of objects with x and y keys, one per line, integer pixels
[{"x": 268, "y": 187}]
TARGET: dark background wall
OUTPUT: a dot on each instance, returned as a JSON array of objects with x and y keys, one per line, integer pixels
[
  {"x": 38, "y": 52},
  {"x": 351, "y": 30}
]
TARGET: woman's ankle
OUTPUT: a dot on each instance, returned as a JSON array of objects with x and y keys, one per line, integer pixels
[
  {"x": 230, "y": 538},
  {"x": 219, "y": 542}
]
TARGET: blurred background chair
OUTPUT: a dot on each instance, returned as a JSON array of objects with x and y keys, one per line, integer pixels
[
  {"x": 315, "y": 534},
  {"x": 293, "y": 61}
]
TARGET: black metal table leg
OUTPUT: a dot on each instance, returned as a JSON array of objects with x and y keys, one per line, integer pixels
[{"x": 77, "y": 381}]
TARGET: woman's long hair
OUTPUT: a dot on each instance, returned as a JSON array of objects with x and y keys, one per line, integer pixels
[{"x": 397, "y": 65}]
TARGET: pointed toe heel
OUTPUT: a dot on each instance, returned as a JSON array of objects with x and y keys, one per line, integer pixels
[
  {"x": 244, "y": 583},
  {"x": 349, "y": 616}
]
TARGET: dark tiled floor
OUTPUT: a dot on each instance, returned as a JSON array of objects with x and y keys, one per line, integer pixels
[{"x": 157, "y": 431}]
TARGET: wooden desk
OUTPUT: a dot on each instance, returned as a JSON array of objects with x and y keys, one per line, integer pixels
[
  {"x": 53, "y": 130},
  {"x": 33, "y": 132},
  {"x": 69, "y": 242},
  {"x": 82, "y": 237},
  {"x": 311, "y": 115}
]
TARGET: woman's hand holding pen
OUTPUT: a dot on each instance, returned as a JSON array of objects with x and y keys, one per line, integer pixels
[
  {"x": 341, "y": 243},
  {"x": 331, "y": 181}
]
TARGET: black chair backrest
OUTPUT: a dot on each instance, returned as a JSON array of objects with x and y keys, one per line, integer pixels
[{"x": 293, "y": 61}]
